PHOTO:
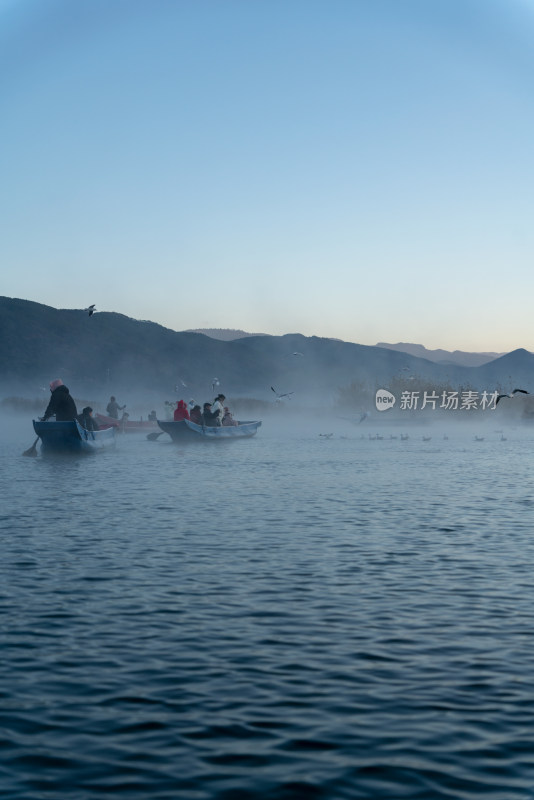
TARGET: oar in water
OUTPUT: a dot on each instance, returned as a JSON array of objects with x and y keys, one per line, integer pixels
[
  {"x": 31, "y": 451},
  {"x": 153, "y": 436}
]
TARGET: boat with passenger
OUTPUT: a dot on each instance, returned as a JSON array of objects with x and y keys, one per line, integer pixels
[
  {"x": 185, "y": 430},
  {"x": 71, "y": 437}
]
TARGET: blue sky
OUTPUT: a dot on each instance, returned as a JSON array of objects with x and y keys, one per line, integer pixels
[{"x": 362, "y": 169}]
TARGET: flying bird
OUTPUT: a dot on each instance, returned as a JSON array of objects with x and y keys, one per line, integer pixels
[
  {"x": 90, "y": 310},
  {"x": 500, "y": 396},
  {"x": 294, "y": 354},
  {"x": 279, "y": 396}
]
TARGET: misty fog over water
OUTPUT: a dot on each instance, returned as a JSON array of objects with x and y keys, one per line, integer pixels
[{"x": 283, "y": 617}]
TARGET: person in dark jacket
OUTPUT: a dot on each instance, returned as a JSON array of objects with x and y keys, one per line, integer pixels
[
  {"x": 61, "y": 404},
  {"x": 196, "y": 415},
  {"x": 208, "y": 416},
  {"x": 87, "y": 421}
]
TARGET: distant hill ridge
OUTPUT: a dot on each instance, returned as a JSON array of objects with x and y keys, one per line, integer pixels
[
  {"x": 224, "y": 334},
  {"x": 110, "y": 353},
  {"x": 439, "y": 356},
  {"x": 462, "y": 357}
]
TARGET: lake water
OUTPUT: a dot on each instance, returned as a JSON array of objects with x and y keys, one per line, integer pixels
[{"x": 284, "y": 617}]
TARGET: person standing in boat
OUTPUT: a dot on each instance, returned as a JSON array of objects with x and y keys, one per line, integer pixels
[
  {"x": 181, "y": 411},
  {"x": 217, "y": 409},
  {"x": 61, "y": 405},
  {"x": 87, "y": 420},
  {"x": 113, "y": 408}
]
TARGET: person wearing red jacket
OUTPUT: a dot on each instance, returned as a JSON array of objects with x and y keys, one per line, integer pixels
[{"x": 181, "y": 411}]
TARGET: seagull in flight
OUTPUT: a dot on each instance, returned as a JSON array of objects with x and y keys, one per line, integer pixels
[
  {"x": 294, "y": 354},
  {"x": 90, "y": 310},
  {"x": 500, "y": 396},
  {"x": 279, "y": 396}
]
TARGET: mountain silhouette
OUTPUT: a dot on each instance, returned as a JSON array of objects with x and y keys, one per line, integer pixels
[
  {"x": 460, "y": 357},
  {"x": 110, "y": 352}
]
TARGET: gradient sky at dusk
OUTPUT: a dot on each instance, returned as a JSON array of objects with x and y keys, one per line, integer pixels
[{"x": 360, "y": 169}]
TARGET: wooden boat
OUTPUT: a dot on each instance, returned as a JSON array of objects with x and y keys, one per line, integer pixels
[
  {"x": 186, "y": 431},
  {"x": 71, "y": 437},
  {"x": 126, "y": 425}
]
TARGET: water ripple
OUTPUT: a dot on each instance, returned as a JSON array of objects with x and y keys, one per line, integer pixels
[{"x": 315, "y": 625}]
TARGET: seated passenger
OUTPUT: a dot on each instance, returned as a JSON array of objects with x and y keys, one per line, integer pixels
[
  {"x": 86, "y": 419},
  {"x": 196, "y": 415},
  {"x": 228, "y": 418},
  {"x": 152, "y": 417},
  {"x": 181, "y": 411},
  {"x": 208, "y": 416}
]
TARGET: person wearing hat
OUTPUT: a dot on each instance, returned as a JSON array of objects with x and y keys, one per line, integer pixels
[
  {"x": 217, "y": 409},
  {"x": 61, "y": 405}
]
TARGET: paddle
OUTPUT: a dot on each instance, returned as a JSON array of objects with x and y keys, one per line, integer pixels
[
  {"x": 153, "y": 436},
  {"x": 31, "y": 451}
]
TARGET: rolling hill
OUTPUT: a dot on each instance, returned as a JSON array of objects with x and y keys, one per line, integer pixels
[{"x": 112, "y": 353}]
